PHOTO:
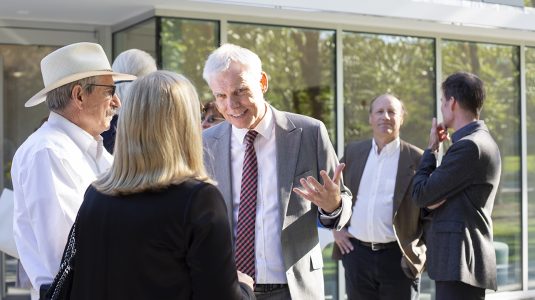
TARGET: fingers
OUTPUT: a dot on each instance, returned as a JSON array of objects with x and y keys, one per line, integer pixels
[
  {"x": 242, "y": 277},
  {"x": 442, "y": 132},
  {"x": 436, "y": 205},
  {"x": 337, "y": 173},
  {"x": 341, "y": 239},
  {"x": 326, "y": 195},
  {"x": 334, "y": 182}
]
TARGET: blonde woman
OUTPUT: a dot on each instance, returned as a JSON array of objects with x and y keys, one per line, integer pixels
[{"x": 154, "y": 227}]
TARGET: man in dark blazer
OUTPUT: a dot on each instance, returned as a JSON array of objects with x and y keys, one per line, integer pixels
[
  {"x": 460, "y": 194},
  {"x": 382, "y": 250},
  {"x": 294, "y": 192}
]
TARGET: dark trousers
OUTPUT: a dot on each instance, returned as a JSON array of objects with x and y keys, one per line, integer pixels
[
  {"x": 446, "y": 290},
  {"x": 377, "y": 275}
]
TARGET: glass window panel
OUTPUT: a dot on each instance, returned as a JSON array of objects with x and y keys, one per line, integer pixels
[
  {"x": 375, "y": 64},
  {"x": 530, "y": 115},
  {"x": 139, "y": 36},
  {"x": 185, "y": 46},
  {"x": 22, "y": 79},
  {"x": 300, "y": 64},
  {"x": 405, "y": 66},
  {"x": 498, "y": 67}
]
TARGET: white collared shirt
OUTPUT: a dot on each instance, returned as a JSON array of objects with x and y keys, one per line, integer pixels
[
  {"x": 268, "y": 248},
  {"x": 372, "y": 214},
  {"x": 51, "y": 172}
]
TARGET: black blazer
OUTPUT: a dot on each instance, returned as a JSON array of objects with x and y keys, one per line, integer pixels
[
  {"x": 173, "y": 243},
  {"x": 459, "y": 241}
]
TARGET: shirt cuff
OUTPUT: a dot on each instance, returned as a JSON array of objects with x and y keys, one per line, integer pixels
[{"x": 326, "y": 216}]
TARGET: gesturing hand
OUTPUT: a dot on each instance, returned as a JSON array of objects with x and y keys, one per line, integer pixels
[{"x": 326, "y": 196}]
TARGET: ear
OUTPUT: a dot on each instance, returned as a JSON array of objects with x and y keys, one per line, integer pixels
[
  {"x": 264, "y": 82},
  {"x": 453, "y": 103},
  {"x": 77, "y": 96}
]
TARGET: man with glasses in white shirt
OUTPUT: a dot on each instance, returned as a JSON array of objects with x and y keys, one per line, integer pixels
[
  {"x": 381, "y": 250},
  {"x": 55, "y": 165}
]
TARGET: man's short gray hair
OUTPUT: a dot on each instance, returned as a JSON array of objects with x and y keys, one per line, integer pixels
[
  {"x": 134, "y": 62},
  {"x": 58, "y": 98},
  {"x": 219, "y": 61}
]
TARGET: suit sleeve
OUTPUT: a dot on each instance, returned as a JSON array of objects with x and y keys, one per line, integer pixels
[
  {"x": 210, "y": 257},
  {"x": 328, "y": 162},
  {"x": 432, "y": 184}
]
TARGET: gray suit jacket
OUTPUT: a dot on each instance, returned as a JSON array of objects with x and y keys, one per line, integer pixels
[
  {"x": 303, "y": 149},
  {"x": 459, "y": 238},
  {"x": 408, "y": 226}
]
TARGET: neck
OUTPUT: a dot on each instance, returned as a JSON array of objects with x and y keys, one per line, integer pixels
[
  {"x": 261, "y": 118},
  {"x": 382, "y": 142},
  {"x": 464, "y": 120},
  {"x": 72, "y": 115}
]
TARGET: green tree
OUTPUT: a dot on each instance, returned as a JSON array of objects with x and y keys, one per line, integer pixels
[
  {"x": 185, "y": 45},
  {"x": 300, "y": 64},
  {"x": 375, "y": 64}
]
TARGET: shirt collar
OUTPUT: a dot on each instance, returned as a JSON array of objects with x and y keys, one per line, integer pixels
[
  {"x": 467, "y": 129},
  {"x": 389, "y": 148},
  {"x": 82, "y": 138},
  {"x": 264, "y": 127}
]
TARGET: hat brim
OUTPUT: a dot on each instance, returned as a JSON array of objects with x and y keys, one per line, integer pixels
[{"x": 41, "y": 95}]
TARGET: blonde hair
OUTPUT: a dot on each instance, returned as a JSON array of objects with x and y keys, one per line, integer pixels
[{"x": 159, "y": 138}]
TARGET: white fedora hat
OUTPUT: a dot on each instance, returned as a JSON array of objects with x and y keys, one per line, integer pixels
[{"x": 73, "y": 62}]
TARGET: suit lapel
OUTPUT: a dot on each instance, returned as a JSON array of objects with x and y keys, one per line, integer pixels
[
  {"x": 403, "y": 177},
  {"x": 288, "y": 142},
  {"x": 357, "y": 169},
  {"x": 223, "y": 173}
]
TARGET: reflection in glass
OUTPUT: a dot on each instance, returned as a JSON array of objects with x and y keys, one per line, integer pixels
[
  {"x": 375, "y": 64},
  {"x": 498, "y": 67},
  {"x": 300, "y": 64},
  {"x": 185, "y": 46},
  {"x": 139, "y": 36},
  {"x": 530, "y": 121}
]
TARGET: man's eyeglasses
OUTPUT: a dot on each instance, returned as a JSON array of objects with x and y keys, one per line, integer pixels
[{"x": 112, "y": 87}]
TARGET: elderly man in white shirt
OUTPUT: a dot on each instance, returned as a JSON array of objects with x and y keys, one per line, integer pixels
[{"x": 52, "y": 169}]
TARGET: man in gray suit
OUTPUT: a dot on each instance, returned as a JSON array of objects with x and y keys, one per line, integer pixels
[
  {"x": 382, "y": 250},
  {"x": 273, "y": 170},
  {"x": 460, "y": 194}
]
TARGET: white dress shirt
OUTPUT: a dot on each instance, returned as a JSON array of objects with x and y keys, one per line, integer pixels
[
  {"x": 51, "y": 172},
  {"x": 268, "y": 248},
  {"x": 372, "y": 214}
]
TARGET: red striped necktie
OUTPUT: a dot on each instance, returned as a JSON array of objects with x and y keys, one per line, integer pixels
[{"x": 245, "y": 237}]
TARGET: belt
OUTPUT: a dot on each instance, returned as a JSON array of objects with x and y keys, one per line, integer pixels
[
  {"x": 377, "y": 246},
  {"x": 269, "y": 287}
]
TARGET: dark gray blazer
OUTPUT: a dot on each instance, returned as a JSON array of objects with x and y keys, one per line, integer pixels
[
  {"x": 406, "y": 215},
  {"x": 459, "y": 238},
  {"x": 303, "y": 149}
]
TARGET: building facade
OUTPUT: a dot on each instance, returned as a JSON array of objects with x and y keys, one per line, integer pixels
[{"x": 328, "y": 61}]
